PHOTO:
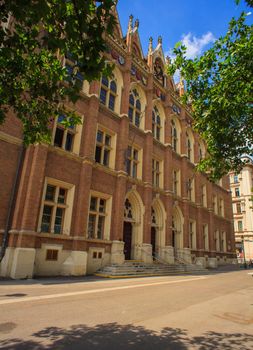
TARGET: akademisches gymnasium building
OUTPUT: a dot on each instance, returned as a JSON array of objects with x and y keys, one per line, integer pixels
[{"x": 120, "y": 186}]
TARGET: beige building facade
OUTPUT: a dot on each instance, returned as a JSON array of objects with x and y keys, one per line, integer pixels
[{"x": 241, "y": 189}]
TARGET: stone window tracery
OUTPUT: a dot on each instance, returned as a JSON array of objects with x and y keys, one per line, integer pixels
[
  {"x": 156, "y": 124},
  {"x": 153, "y": 217},
  {"x": 108, "y": 92},
  {"x": 134, "y": 110},
  {"x": 174, "y": 136},
  {"x": 188, "y": 146},
  {"x": 128, "y": 211}
]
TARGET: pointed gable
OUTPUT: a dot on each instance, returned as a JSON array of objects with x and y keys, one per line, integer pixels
[
  {"x": 136, "y": 42},
  {"x": 117, "y": 32}
]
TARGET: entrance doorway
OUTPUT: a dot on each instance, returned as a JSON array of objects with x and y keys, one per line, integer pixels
[
  {"x": 127, "y": 238},
  {"x": 153, "y": 240},
  {"x": 173, "y": 243}
]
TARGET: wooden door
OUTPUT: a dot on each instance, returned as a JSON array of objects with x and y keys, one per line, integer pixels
[
  {"x": 153, "y": 240},
  {"x": 127, "y": 238}
]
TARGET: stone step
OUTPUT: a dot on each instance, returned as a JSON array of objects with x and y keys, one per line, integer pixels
[{"x": 138, "y": 268}]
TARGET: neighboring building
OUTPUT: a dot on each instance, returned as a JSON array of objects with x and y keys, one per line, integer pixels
[
  {"x": 241, "y": 188},
  {"x": 120, "y": 186}
]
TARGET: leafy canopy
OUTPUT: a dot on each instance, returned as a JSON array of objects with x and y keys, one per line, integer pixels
[
  {"x": 219, "y": 85},
  {"x": 35, "y": 36}
]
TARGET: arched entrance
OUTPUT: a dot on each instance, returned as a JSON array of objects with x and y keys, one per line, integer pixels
[{"x": 133, "y": 226}]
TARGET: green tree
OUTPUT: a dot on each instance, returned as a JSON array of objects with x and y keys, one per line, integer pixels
[
  {"x": 219, "y": 86},
  {"x": 34, "y": 37}
]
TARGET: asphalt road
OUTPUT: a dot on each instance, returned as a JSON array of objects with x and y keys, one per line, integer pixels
[{"x": 176, "y": 312}]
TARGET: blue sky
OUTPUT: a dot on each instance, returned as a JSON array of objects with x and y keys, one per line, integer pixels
[{"x": 195, "y": 22}]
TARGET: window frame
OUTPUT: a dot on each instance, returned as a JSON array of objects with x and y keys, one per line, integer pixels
[
  {"x": 104, "y": 147},
  {"x": 156, "y": 173},
  {"x": 130, "y": 159},
  {"x": 192, "y": 235},
  {"x": 109, "y": 93},
  {"x": 156, "y": 126},
  {"x": 66, "y": 131},
  {"x": 133, "y": 107},
  {"x": 176, "y": 182},
  {"x": 204, "y": 196},
  {"x": 174, "y": 136},
  {"x": 240, "y": 225},
  {"x": 67, "y": 206},
  {"x": 237, "y": 192},
  {"x": 106, "y": 215}
]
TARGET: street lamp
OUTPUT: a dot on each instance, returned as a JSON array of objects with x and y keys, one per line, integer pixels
[{"x": 244, "y": 260}]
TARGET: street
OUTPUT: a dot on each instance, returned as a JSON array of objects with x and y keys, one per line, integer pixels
[{"x": 213, "y": 311}]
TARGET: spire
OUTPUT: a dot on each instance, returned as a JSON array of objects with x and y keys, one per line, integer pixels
[
  {"x": 150, "y": 46},
  {"x": 150, "y": 53},
  {"x": 129, "y": 33},
  {"x": 160, "y": 40},
  {"x": 136, "y": 23},
  {"x": 130, "y": 24}
]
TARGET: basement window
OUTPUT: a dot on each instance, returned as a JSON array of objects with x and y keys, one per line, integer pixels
[{"x": 52, "y": 254}]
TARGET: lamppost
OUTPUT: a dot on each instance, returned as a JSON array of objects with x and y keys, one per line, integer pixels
[{"x": 244, "y": 259}]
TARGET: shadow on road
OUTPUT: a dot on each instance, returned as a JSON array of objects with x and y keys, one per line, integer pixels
[{"x": 113, "y": 336}]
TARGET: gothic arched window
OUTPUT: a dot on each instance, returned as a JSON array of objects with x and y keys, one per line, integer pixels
[
  {"x": 134, "y": 110},
  {"x": 174, "y": 137},
  {"x": 108, "y": 92},
  {"x": 156, "y": 124},
  {"x": 153, "y": 216},
  {"x": 188, "y": 147},
  {"x": 128, "y": 212}
]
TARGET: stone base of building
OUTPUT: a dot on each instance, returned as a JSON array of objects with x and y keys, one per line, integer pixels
[
  {"x": 184, "y": 254},
  {"x": 18, "y": 263},
  {"x": 21, "y": 263}
]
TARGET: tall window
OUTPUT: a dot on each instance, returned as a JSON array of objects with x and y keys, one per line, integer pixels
[
  {"x": 192, "y": 236},
  {"x": 237, "y": 192},
  {"x": 156, "y": 124},
  {"x": 223, "y": 244},
  {"x": 236, "y": 179},
  {"x": 215, "y": 205},
  {"x": 156, "y": 173},
  {"x": 188, "y": 147},
  {"x": 238, "y": 208},
  {"x": 205, "y": 236},
  {"x": 73, "y": 71},
  {"x": 108, "y": 92},
  {"x": 134, "y": 111},
  {"x": 221, "y": 207},
  {"x": 217, "y": 240},
  {"x": 203, "y": 196},
  {"x": 54, "y": 208},
  {"x": 132, "y": 161},
  {"x": 103, "y": 148},
  {"x": 200, "y": 153},
  {"x": 64, "y": 136},
  {"x": 97, "y": 214},
  {"x": 190, "y": 189},
  {"x": 240, "y": 225},
  {"x": 174, "y": 137},
  {"x": 176, "y": 182}
]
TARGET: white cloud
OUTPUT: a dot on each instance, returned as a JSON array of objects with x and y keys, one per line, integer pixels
[{"x": 194, "y": 45}]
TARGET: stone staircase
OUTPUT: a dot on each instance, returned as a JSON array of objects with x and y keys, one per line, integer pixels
[{"x": 134, "y": 268}]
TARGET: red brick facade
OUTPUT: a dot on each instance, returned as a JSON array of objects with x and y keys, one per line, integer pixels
[{"x": 80, "y": 170}]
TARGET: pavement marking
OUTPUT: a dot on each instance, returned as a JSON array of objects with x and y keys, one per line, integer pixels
[{"x": 92, "y": 291}]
